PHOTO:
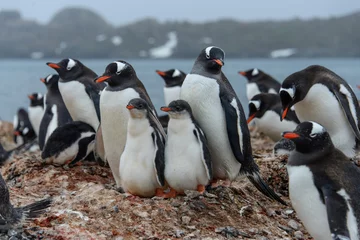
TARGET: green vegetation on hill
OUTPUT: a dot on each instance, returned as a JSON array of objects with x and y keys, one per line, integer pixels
[{"x": 82, "y": 33}]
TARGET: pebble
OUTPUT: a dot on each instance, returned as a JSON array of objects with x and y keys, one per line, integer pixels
[
  {"x": 270, "y": 212},
  {"x": 11, "y": 232},
  {"x": 179, "y": 233},
  {"x": 262, "y": 238},
  {"x": 289, "y": 211},
  {"x": 230, "y": 232},
  {"x": 293, "y": 224},
  {"x": 210, "y": 195},
  {"x": 246, "y": 211},
  {"x": 116, "y": 209},
  {"x": 185, "y": 220},
  {"x": 141, "y": 214},
  {"x": 192, "y": 194},
  {"x": 285, "y": 228},
  {"x": 298, "y": 235}
]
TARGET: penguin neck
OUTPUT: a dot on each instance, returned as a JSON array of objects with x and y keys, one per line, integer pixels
[
  {"x": 200, "y": 69},
  {"x": 298, "y": 158},
  {"x": 138, "y": 126}
]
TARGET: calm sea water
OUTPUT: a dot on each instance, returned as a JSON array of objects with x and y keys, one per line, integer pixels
[{"x": 21, "y": 77}]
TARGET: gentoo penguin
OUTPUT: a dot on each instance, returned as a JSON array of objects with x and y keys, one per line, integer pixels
[
  {"x": 265, "y": 109},
  {"x": 220, "y": 115},
  {"x": 10, "y": 216},
  {"x": 259, "y": 82},
  {"x": 56, "y": 113},
  {"x": 283, "y": 147},
  {"x": 142, "y": 162},
  {"x": 320, "y": 95},
  {"x": 69, "y": 144},
  {"x": 36, "y": 110},
  {"x": 123, "y": 85},
  {"x": 79, "y": 92},
  {"x": 187, "y": 158},
  {"x": 173, "y": 80},
  {"x": 23, "y": 130},
  {"x": 323, "y": 184}
]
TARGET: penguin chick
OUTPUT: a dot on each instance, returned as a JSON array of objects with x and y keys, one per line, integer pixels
[
  {"x": 187, "y": 158},
  {"x": 265, "y": 109},
  {"x": 142, "y": 162},
  {"x": 323, "y": 184},
  {"x": 10, "y": 216},
  {"x": 283, "y": 147},
  {"x": 69, "y": 144}
]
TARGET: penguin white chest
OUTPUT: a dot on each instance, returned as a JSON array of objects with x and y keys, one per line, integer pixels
[
  {"x": 79, "y": 103},
  {"x": 251, "y": 90},
  {"x": 321, "y": 106},
  {"x": 306, "y": 201},
  {"x": 184, "y": 166},
  {"x": 171, "y": 94},
  {"x": 114, "y": 121},
  {"x": 271, "y": 125},
  {"x": 202, "y": 94},
  {"x": 137, "y": 162},
  {"x": 54, "y": 123},
  {"x": 35, "y": 116}
]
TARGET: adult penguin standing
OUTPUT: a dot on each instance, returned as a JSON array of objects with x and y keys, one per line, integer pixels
[{"x": 220, "y": 114}]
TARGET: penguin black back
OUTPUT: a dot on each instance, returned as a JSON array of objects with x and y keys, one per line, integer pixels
[
  {"x": 264, "y": 81},
  {"x": 172, "y": 77}
]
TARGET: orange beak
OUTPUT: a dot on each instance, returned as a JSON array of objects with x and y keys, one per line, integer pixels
[
  {"x": 130, "y": 107},
  {"x": 251, "y": 118},
  {"x": 219, "y": 62},
  {"x": 31, "y": 97},
  {"x": 290, "y": 135},
  {"x": 102, "y": 79},
  {"x": 163, "y": 74},
  {"x": 53, "y": 65},
  {"x": 284, "y": 113},
  {"x": 42, "y": 80},
  {"x": 17, "y": 133},
  {"x": 242, "y": 73},
  {"x": 165, "y": 109}
]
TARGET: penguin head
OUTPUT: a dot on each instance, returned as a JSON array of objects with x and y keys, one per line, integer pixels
[
  {"x": 309, "y": 137},
  {"x": 138, "y": 108},
  {"x": 172, "y": 77},
  {"x": 117, "y": 73},
  {"x": 69, "y": 69},
  {"x": 212, "y": 59},
  {"x": 260, "y": 103},
  {"x": 22, "y": 126},
  {"x": 251, "y": 74},
  {"x": 178, "y": 109},
  {"x": 50, "y": 80},
  {"x": 36, "y": 99}
]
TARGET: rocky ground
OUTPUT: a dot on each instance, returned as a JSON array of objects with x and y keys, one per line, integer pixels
[{"x": 87, "y": 206}]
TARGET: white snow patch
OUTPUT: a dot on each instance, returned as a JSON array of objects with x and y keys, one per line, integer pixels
[
  {"x": 165, "y": 50},
  {"x": 101, "y": 37},
  {"x": 283, "y": 53},
  {"x": 37, "y": 55},
  {"x": 116, "y": 40}
]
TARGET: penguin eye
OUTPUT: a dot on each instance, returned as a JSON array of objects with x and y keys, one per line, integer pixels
[
  {"x": 178, "y": 108},
  {"x": 140, "y": 106},
  {"x": 312, "y": 135},
  {"x": 68, "y": 68},
  {"x": 207, "y": 56}
]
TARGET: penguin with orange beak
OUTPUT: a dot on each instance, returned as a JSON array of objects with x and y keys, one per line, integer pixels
[
  {"x": 36, "y": 110},
  {"x": 173, "y": 79},
  {"x": 23, "y": 130}
]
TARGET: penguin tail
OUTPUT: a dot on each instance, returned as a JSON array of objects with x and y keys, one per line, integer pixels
[
  {"x": 253, "y": 175},
  {"x": 35, "y": 209}
]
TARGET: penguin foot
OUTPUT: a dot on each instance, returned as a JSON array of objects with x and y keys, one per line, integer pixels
[
  {"x": 171, "y": 194},
  {"x": 201, "y": 189}
]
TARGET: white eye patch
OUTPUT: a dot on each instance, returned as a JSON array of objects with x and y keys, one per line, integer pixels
[
  {"x": 290, "y": 91},
  {"x": 176, "y": 73},
  {"x": 39, "y": 96},
  {"x": 316, "y": 129},
  {"x": 47, "y": 79},
  {"x": 26, "y": 130},
  {"x": 255, "y": 72},
  {"x": 207, "y": 51},
  {"x": 256, "y": 104},
  {"x": 70, "y": 64},
  {"x": 120, "y": 66}
]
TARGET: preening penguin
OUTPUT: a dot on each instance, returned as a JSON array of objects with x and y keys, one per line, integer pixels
[
  {"x": 56, "y": 113},
  {"x": 10, "y": 216},
  {"x": 123, "y": 85},
  {"x": 36, "y": 111},
  {"x": 259, "y": 82},
  {"x": 220, "y": 115},
  {"x": 265, "y": 109},
  {"x": 323, "y": 184},
  {"x": 142, "y": 162},
  {"x": 187, "y": 158},
  {"x": 320, "y": 95}
]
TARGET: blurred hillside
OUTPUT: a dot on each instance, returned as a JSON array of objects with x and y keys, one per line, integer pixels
[{"x": 81, "y": 33}]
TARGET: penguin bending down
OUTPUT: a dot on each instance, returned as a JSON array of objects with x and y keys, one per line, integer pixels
[
  {"x": 265, "y": 109},
  {"x": 10, "y": 216},
  {"x": 23, "y": 130},
  {"x": 56, "y": 113},
  {"x": 173, "y": 80},
  {"x": 220, "y": 115},
  {"x": 142, "y": 162},
  {"x": 69, "y": 144},
  {"x": 187, "y": 158},
  {"x": 124, "y": 85},
  {"x": 323, "y": 184},
  {"x": 36, "y": 111},
  {"x": 259, "y": 82},
  {"x": 80, "y": 94},
  {"x": 320, "y": 95}
]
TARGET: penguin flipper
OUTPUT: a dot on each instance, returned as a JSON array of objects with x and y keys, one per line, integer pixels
[
  {"x": 159, "y": 157},
  {"x": 205, "y": 153},
  {"x": 344, "y": 101},
  {"x": 84, "y": 149},
  {"x": 337, "y": 209},
  {"x": 95, "y": 97},
  {"x": 99, "y": 149}
]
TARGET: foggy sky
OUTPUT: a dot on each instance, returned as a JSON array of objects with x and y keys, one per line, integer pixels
[{"x": 120, "y": 12}]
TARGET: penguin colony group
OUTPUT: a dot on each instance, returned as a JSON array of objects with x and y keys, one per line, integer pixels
[{"x": 313, "y": 117}]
